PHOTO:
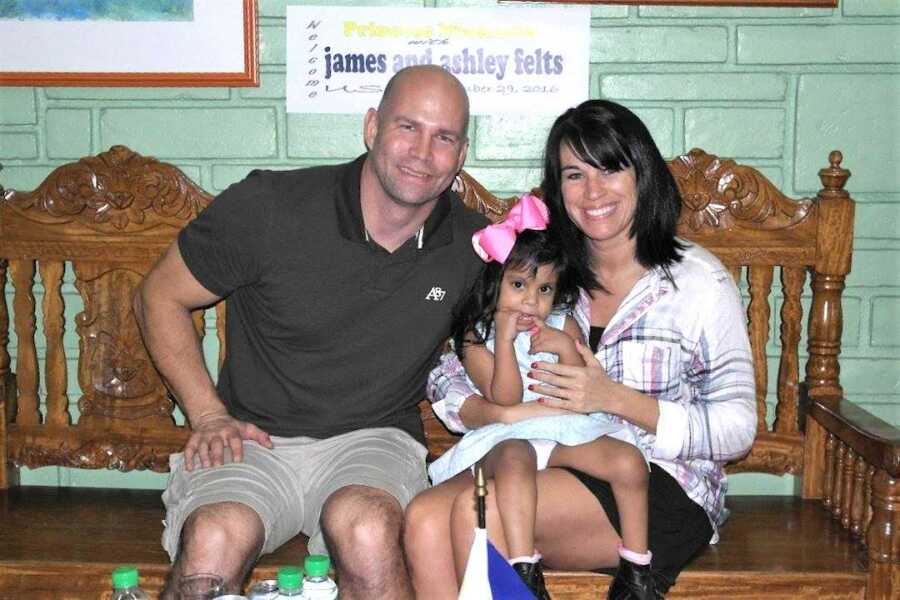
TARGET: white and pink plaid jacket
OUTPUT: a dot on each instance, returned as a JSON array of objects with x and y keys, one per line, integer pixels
[{"x": 684, "y": 342}]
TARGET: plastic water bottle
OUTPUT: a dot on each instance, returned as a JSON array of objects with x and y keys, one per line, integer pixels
[
  {"x": 290, "y": 583},
  {"x": 264, "y": 590},
  {"x": 317, "y": 585},
  {"x": 125, "y": 584}
]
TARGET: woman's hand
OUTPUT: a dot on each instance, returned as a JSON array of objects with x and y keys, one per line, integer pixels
[
  {"x": 589, "y": 389},
  {"x": 578, "y": 389}
]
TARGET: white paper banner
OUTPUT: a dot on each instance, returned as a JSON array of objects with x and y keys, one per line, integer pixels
[{"x": 510, "y": 59}]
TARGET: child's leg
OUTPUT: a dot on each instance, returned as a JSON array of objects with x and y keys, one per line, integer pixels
[
  {"x": 623, "y": 466},
  {"x": 512, "y": 466}
]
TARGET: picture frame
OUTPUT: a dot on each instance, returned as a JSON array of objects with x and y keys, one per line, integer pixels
[
  {"x": 760, "y": 3},
  {"x": 218, "y": 46}
]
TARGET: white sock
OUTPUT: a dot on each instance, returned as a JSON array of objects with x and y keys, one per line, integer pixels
[
  {"x": 525, "y": 559},
  {"x": 635, "y": 557}
]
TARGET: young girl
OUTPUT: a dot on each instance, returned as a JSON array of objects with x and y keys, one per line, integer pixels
[{"x": 518, "y": 313}]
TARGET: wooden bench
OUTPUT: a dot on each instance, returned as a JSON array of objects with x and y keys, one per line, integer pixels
[{"x": 108, "y": 217}]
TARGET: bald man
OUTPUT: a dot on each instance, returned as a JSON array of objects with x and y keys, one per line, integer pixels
[{"x": 340, "y": 282}]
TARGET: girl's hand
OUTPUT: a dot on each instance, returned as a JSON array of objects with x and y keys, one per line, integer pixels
[
  {"x": 510, "y": 323},
  {"x": 579, "y": 389},
  {"x": 550, "y": 339}
]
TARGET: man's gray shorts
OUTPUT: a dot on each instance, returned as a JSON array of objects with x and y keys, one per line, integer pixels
[{"x": 288, "y": 485}]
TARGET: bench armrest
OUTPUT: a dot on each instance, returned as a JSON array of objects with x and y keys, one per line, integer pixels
[{"x": 877, "y": 441}]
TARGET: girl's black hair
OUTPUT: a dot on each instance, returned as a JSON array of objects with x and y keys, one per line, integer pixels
[
  {"x": 474, "y": 315},
  {"x": 607, "y": 135}
]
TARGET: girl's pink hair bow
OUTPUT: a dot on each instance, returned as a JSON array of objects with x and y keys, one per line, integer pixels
[{"x": 495, "y": 242}]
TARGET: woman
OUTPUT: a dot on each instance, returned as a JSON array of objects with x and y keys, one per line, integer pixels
[{"x": 668, "y": 356}]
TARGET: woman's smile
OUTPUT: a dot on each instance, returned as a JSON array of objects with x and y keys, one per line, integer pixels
[{"x": 602, "y": 212}]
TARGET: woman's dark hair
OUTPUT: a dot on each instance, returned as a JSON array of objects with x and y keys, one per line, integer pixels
[
  {"x": 473, "y": 317},
  {"x": 609, "y": 136}
]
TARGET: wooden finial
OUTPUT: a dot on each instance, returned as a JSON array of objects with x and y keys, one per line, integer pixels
[
  {"x": 834, "y": 177},
  {"x": 835, "y": 157}
]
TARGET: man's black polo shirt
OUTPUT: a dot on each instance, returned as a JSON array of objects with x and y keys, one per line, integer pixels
[{"x": 326, "y": 332}]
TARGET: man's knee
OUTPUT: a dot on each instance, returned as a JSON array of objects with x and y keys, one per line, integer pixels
[
  {"x": 362, "y": 517},
  {"x": 214, "y": 529}
]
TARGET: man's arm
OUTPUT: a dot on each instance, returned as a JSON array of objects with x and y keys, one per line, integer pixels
[{"x": 162, "y": 307}]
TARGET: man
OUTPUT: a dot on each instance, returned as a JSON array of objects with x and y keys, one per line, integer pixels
[{"x": 340, "y": 283}]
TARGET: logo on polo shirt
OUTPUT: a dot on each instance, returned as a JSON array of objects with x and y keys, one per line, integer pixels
[{"x": 437, "y": 294}]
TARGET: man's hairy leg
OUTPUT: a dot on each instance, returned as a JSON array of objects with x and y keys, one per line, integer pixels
[
  {"x": 362, "y": 527},
  {"x": 223, "y": 538}
]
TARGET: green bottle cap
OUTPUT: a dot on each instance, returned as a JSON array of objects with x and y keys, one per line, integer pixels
[
  {"x": 290, "y": 578},
  {"x": 317, "y": 565},
  {"x": 125, "y": 576}
]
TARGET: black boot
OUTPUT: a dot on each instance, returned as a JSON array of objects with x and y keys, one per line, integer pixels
[
  {"x": 633, "y": 582},
  {"x": 533, "y": 576}
]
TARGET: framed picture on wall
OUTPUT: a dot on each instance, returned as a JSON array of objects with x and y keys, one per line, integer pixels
[
  {"x": 777, "y": 3},
  {"x": 129, "y": 43}
]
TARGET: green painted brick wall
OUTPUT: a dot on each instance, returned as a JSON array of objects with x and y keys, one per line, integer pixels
[{"x": 777, "y": 88}]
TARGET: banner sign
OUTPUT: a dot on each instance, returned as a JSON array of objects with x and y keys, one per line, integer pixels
[{"x": 510, "y": 59}]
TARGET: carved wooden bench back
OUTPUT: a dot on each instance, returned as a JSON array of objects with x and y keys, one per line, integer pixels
[{"x": 110, "y": 216}]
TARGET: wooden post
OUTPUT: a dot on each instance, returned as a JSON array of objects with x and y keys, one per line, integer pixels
[
  {"x": 834, "y": 246},
  {"x": 9, "y": 475},
  {"x": 884, "y": 539}
]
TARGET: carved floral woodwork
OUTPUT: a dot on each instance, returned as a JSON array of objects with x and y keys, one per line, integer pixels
[
  {"x": 476, "y": 197},
  {"x": 95, "y": 454},
  {"x": 720, "y": 194},
  {"x": 114, "y": 191},
  {"x": 776, "y": 454},
  {"x": 116, "y": 375}
]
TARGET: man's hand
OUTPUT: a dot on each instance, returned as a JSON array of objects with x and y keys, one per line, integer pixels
[{"x": 210, "y": 434}]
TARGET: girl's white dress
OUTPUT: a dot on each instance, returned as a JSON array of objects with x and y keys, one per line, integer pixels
[{"x": 569, "y": 430}]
